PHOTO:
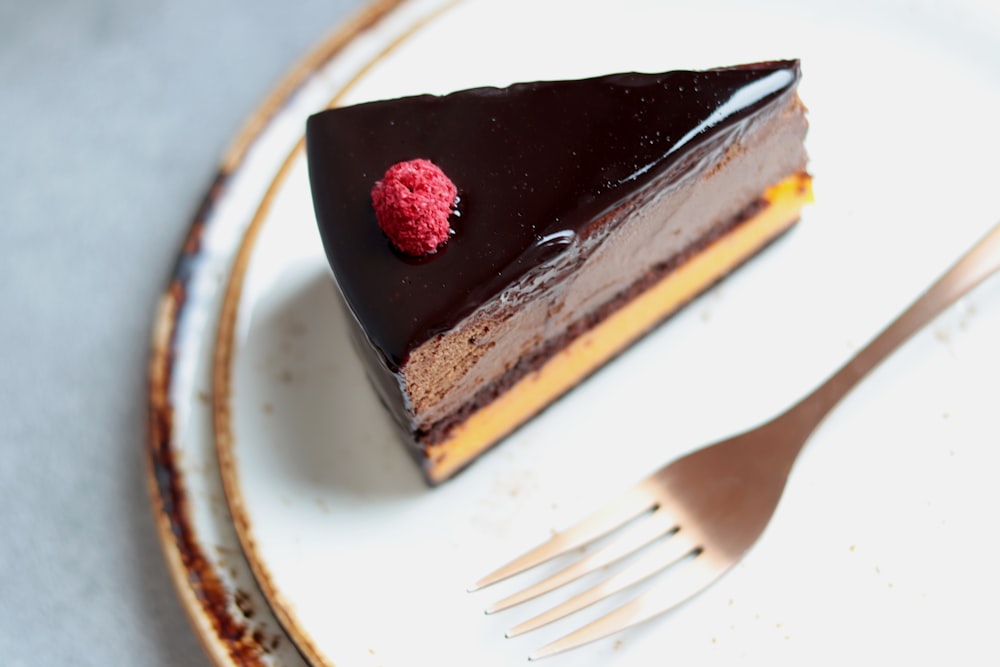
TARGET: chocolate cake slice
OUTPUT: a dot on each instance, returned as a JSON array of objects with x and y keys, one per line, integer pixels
[{"x": 582, "y": 214}]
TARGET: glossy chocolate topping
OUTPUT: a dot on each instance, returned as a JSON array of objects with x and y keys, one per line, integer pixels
[{"x": 535, "y": 165}]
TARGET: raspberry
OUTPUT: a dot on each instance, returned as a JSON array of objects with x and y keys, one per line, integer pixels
[{"x": 412, "y": 203}]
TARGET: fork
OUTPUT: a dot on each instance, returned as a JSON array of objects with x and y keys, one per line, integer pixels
[{"x": 704, "y": 511}]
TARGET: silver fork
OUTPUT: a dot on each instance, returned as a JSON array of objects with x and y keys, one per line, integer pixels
[{"x": 713, "y": 504}]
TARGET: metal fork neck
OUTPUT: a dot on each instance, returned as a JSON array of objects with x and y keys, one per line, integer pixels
[{"x": 974, "y": 267}]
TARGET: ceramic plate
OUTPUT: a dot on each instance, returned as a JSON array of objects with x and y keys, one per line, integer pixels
[{"x": 878, "y": 542}]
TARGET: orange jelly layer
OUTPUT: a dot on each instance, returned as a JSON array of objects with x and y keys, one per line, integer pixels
[{"x": 591, "y": 350}]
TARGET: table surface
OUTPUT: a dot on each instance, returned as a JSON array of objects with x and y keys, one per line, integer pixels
[{"x": 114, "y": 115}]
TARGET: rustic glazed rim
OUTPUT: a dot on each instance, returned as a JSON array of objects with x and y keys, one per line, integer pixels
[{"x": 228, "y": 638}]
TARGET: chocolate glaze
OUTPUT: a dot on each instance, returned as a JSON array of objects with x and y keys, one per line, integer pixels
[{"x": 535, "y": 165}]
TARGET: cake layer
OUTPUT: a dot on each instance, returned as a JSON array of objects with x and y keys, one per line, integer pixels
[
  {"x": 486, "y": 424},
  {"x": 567, "y": 294}
]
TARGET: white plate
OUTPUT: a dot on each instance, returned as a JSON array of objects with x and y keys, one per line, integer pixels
[{"x": 879, "y": 542}]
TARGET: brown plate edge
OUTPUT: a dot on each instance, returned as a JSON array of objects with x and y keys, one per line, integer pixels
[{"x": 229, "y": 641}]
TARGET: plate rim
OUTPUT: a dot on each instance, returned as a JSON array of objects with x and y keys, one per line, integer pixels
[{"x": 228, "y": 641}]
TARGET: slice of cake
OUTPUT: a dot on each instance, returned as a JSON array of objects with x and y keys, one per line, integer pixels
[{"x": 496, "y": 246}]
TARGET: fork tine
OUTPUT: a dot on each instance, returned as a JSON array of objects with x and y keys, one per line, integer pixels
[
  {"x": 658, "y": 600},
  {"x": 621, "y": 510},
  {"x": 649, "y": 529},
  {"x": 654, "y": 560}
]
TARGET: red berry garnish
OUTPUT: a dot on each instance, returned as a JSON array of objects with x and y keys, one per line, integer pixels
[{"x": 413, "y": 202}]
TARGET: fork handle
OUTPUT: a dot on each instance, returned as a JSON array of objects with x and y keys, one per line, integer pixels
[{"x": 981, "y": 261}]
